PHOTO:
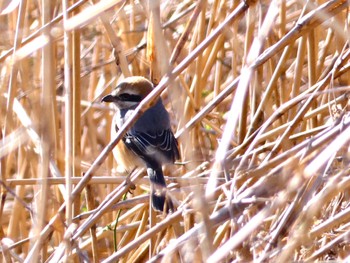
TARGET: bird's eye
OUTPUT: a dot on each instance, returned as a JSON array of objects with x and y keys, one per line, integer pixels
[{"x": 129, "y": 97}]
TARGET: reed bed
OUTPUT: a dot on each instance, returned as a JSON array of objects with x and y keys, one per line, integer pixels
[{"x": 258, "y": 96}]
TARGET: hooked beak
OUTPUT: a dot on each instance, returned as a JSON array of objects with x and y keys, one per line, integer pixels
[{"x": 108, "y": 98}]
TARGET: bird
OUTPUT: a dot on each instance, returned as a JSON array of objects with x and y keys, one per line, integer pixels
[{"x": 150, "y": 142}]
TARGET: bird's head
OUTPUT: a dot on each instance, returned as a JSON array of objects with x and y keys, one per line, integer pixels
[{"x": 129, "y": 92}]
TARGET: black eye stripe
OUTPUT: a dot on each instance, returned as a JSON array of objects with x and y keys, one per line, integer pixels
[{"x": 129, "y": 97}]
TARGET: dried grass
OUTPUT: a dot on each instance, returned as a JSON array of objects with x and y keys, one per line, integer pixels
[{"x": 258, "y": 95}]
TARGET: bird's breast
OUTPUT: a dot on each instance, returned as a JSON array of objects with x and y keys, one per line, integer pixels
[{"x": 126, "y": 160}]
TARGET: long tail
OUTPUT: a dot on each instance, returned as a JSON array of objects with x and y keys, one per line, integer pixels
[{"x": 158, "y": 190}]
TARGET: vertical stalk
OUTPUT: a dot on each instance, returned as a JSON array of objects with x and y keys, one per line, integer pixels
[
  {"x": 12, "y": 86},
  {"x": 46, "y": 128},
  {"x": 76, "y": 96},
  {"x": 68, "y": 121}
]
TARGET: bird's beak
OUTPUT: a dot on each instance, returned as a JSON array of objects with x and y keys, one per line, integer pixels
[{"x": 108, "y": 98}]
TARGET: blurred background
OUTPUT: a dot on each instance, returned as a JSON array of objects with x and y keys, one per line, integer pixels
[{"x": 258, "y": 96}]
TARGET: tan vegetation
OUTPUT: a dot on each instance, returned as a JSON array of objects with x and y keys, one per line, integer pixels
[{"x": 258, "y": 95}]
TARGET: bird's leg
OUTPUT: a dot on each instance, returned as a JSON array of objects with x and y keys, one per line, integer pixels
[{"x": 129, "y": 183}]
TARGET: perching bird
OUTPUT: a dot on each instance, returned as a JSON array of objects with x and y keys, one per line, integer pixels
[{"x": 149, "y": 142}]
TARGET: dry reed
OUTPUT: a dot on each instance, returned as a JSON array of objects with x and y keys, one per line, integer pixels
[{"x": 258, "y": 95}]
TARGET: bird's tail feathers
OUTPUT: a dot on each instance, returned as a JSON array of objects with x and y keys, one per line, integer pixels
[
  {"x": 158, "y": 191},
  {"x": 161, "y": 203}
]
